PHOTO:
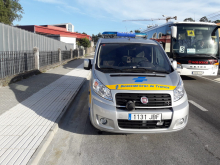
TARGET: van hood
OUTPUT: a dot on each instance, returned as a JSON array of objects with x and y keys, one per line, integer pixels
[{"x": 138, "y": 81}]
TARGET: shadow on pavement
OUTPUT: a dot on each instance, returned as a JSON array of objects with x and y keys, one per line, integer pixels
[
  {"x": 76, "y": 119},
  {"x": 20, "y": 91},
  {"x": 187, "y": 78}
]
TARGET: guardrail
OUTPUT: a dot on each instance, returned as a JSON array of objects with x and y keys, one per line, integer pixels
[
  {"x": 48, "y": 58},
  {"x": 15, "y": 62},
  {"x": 81, "y": 52},
  {"x": 66, "y": 55}
]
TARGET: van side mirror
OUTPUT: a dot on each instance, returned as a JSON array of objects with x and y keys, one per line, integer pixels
[
  {"x": 174, "y": 31},
  {"x": 174, "y": 63},
  {"x": 87, "y": 64}
]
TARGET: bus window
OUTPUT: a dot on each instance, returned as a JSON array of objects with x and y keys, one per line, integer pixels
[
  {"x": 168, "y": 42},
  {"x": 154, "y": 36},
  {"x": 160, "y": 35}
]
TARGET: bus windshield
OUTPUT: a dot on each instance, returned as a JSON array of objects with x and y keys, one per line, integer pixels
[{"x": 195, "y": 40}]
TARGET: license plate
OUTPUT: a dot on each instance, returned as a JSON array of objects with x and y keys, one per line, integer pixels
[
  {"x": 155, "y": 116},
  {"x": 197, "y": 72}
]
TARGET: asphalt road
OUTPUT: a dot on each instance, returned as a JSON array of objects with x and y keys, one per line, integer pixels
[{"x": 77, "y": 142}]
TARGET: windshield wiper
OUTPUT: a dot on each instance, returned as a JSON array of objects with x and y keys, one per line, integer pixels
[
  {"x": 154, "y": 71},
  {"x": 198, "y": 55},
  {"x": 110, "y": 68},
  {"x": 134, "y": 70},
  {"x": 209, "y": 55},
  {"x": 137, "y": 70},
  {"x": 167, "y": 72}
]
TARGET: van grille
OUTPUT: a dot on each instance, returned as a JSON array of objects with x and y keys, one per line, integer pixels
[
  {"x": 154, "y": 100},
  {"x": 143, "y": 124}
]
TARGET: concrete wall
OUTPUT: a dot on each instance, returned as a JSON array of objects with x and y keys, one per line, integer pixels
[
  {"x": 92, "y": 43},
  {"x": 69, "y": 40},
  {"x": 15, "y": 39}
]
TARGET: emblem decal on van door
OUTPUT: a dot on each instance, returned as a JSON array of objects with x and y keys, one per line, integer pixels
[{"x": 140, "y": 79}]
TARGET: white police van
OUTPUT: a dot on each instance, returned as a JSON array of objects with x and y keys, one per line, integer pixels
[{"x": 134, "y": 88}]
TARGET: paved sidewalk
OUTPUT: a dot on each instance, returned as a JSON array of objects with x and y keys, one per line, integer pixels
[
  {"x": 28, "y": 109},
  {"x": 17, "y": 92}
]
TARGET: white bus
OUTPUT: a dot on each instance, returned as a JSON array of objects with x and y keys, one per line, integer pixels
[{"x": 194, "y": 45}]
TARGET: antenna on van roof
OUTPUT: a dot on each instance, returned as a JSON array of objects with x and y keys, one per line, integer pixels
[{"x": 167, "y": 18}]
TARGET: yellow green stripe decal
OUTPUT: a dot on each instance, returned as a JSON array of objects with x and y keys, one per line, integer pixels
[{"x": 140, "y": 87}]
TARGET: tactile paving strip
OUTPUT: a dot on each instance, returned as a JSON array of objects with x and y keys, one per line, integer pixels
[{"x": 23, "y": 127}]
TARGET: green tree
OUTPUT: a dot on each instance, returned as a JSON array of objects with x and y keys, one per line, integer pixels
[
  {"x": 84, "y": 42},
  {"x": 204, "y": 19},
  {"x": 95, "y": 38},
  {"x": 137, "y": 31},
  {"x": 84, "y": 33},
  {"x": 189, "y": 20},
  {"x": 10, "y": 10},
  {"x": 216, "y": 21}
]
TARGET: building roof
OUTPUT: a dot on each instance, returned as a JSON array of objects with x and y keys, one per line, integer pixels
[
  {"x": 61, "y": 24},
  {"x": 53, "y": 30}
]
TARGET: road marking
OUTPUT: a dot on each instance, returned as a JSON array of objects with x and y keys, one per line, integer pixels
[
  {"x": 197, "y": 105},
  {"x": 217, "y": 81}
]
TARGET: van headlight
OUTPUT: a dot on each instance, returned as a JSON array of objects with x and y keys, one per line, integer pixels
[
  {"x": 178, "y": 91},
  {"x": 101, "y": 90}
]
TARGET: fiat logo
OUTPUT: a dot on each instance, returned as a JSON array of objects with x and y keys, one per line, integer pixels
[{"x": 144, "y": 100}]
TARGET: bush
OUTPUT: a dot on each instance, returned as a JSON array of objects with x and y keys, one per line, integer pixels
[{"x": 84, "y": 42}]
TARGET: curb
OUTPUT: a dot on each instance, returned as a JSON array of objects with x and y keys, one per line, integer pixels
[{"x": 49, "y": 137}]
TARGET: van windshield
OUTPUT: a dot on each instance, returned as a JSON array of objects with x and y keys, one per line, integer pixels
[{"x": 120, "y": 57}]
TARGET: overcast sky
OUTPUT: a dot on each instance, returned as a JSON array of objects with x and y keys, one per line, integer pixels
[{"x": 94, "y": 16}]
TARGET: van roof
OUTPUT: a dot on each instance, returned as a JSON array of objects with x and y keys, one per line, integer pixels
[{"x": 127, "y": 40}]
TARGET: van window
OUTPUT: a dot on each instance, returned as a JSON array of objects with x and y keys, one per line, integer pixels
[
  {"x": 159, "y": 60},
  {"x": 122, "y": 56}
]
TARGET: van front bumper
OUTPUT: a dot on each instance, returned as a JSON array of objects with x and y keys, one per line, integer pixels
[{"x": 99, "y": 110}]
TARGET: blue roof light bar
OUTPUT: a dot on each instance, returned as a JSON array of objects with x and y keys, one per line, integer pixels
[
  {"x": 124, "y": 34},
  {"x": 107, "y": 33}
]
